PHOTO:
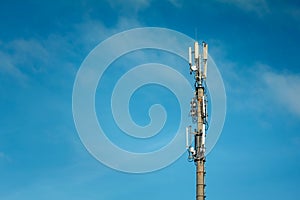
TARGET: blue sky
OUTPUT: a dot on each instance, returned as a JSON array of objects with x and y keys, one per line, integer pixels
[{"x": 255, "y": 45}]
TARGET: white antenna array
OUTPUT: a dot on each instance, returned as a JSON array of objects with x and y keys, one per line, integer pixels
[
  {"x": 198, "y": 67},
  {"x": 200, "y": 61}
]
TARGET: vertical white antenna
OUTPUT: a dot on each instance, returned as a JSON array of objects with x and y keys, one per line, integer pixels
[
  {"x": 190, "y": 135},
  {"x": 188, "y": 138},
  {"x": 204, "y": 106},
  {"x": 187, "y": 145},
  {"x": 205, "y": 49},
  {"x": 203, "y": 136},
  {"x": 196, "y": 53},
  {"x": 190, "y": 56}
]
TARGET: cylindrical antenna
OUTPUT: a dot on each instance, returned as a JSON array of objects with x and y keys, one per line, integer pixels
[
  {"x": 190, "y": 56},
  {"x": 205, "y": 49},
  {"x": 205, "y": 69},
  {"x": 196, "y": 50},
  {"x": 190, "y": 135},
  {"x": 187, "y": 137},
  {"x": 204, "y": 106},
  {"x": 203, "y": 136}
]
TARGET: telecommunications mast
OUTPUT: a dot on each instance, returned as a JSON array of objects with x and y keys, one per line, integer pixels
[{"x": 198, "y": 67}]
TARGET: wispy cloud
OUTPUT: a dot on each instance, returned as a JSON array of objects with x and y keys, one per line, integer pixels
[
  {"x": 287, "y": 10},
  {"x": 285, "y": 89},
  {"x": 91, "y": 32},
  {"x": 259, "y": 88},
  {"x": 21, "y": 58},
  {"x": 259, "y": 7},
  {"x": 8, "y": 67},
  {"x": 4, "y": 157},
  {"x": 131, "y": 7},
  {"x": 292, "y": 13},
  {"x": 53, "y": 183},
  {"x": 176, "y": 3}
]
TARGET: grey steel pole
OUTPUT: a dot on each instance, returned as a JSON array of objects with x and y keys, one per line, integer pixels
[
  {"x": 200, "y": 159},
  {"x": 200, "y": 185},
  {"x": 199, "y": 115}
]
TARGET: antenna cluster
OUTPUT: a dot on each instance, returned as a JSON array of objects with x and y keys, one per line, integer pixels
[
  {"x": 200, "y": 60},
  {"x": 198, "y": 112}
]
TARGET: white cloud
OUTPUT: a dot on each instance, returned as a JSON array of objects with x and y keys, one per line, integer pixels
[
  {"x": 260, "y": 7},
  {"x": 91, "y": 32},
  {"x": 32, "y": 48},
  {"x": 176, "y": 3},
  {"x": 258, "y": 88},
  {"x": 7, "y": 67},
  {"x": 285, "y": 89},
  {"x": 291, "y": 13},
  {"x": 131, "y": 7},
  {"x": 22, "y": 58},
  {"x": 294, "y": 12},
  {"x": 5, "y": 157}
]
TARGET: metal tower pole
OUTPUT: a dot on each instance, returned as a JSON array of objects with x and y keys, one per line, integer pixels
[
  {"x": 200, "y": 160},
  {"x": 199, "y": 115},
  {"x": 200, "y": 190}
]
